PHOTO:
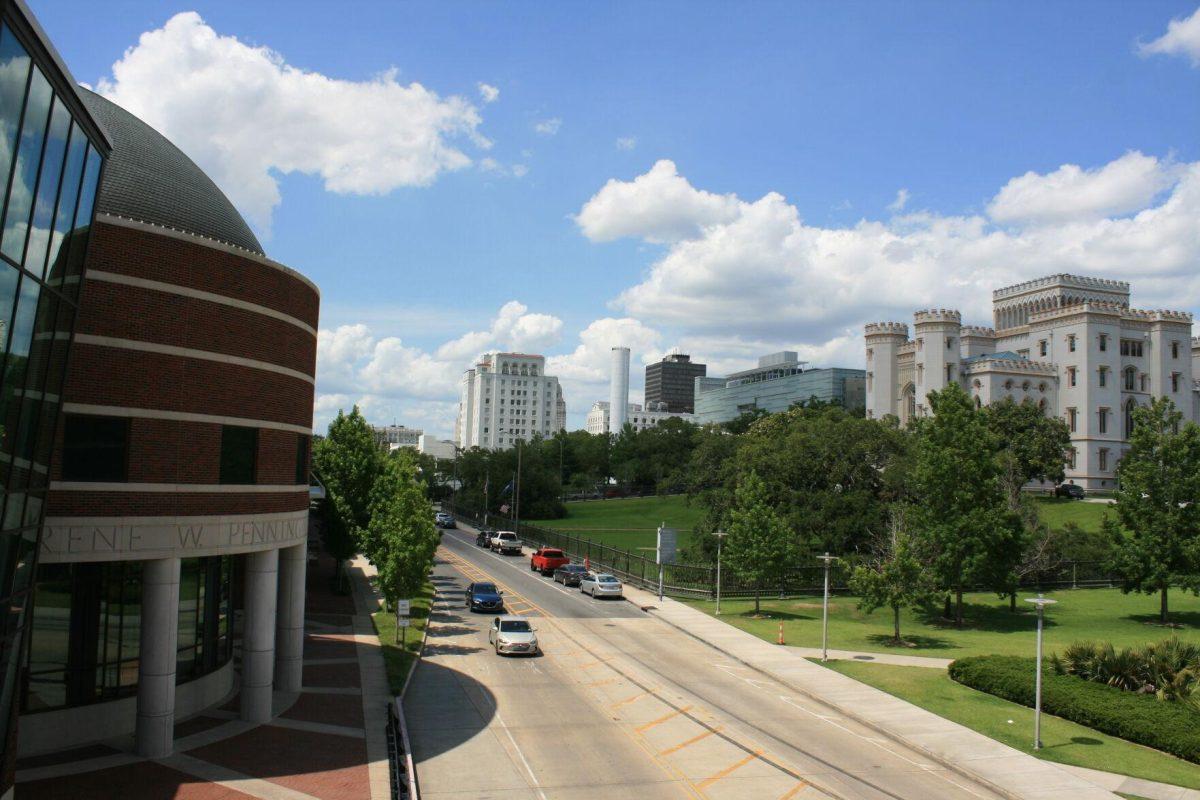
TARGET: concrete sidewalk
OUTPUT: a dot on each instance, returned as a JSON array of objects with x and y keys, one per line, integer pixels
[
  {"x": 1007, "y": 770},
  {"x": 896, "y": 659}
]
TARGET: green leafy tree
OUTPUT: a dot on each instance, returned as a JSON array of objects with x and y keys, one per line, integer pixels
[
  {"x": 1157, "y": 503},
  {"x": 348, "y": 461},
  {"x": 400, "y": 538},
  {"x": 760, "y": 547},
  {"x": 1030, "y": 445},
  {"x": 337, "y": 534},
  {"x": 959, "y": 510},
  {"x": 894, "y": 576}
]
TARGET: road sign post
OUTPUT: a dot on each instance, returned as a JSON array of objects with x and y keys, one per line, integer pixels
[
  {"x": 665, "y": 552},
  {"x": 403, "y": 608}
]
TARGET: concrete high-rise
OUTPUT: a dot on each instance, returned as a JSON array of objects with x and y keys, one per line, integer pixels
[
  {"x": 618, "y": 397},
  {"x": 507, "y": 398},
  {"x": 671, "y": 383}
]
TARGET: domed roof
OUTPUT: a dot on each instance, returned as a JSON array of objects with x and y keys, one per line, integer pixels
[{"x": 149, "y": 179}]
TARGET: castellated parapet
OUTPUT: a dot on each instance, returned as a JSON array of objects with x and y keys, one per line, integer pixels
[
  {"x": 936, "y": 315},
  {"x": 1062, "y": 279},
  {"x": 978, "y": 330},
  {"x": 886, "y": 329}
]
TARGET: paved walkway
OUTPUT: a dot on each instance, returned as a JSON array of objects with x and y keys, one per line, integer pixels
[
  {"x": 875, "y": 658},
  {"x": 1134, "y": 786},
  {"x": 326, "y": 742},
  {"x": 1007, "y": 770}
]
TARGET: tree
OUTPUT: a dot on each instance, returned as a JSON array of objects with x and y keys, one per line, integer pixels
[
  {"x": 760, "y": 547},
  {"x": 337, "y": 534},
  {"x": 400, "y": 538},
  {"x": 894, "y": 576},
  {"x": 959, "y": 511},
  {"x": 1157, "y": 495},
  {"x": 348, "y": 461},
  {"x": 1030, "y": 445}
]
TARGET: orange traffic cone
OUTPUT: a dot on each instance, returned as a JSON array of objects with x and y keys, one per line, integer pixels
[{"x": 780, "y": 633}]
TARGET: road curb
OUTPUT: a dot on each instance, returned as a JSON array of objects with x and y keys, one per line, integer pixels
[
  {"x": 946, "y": 762},
  {"x": 410, "y": 770}
]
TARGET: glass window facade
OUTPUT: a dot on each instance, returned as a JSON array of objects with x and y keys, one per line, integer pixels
[
  {"x": 50, "y": 165},
  {"x": 86, "y": 629}
]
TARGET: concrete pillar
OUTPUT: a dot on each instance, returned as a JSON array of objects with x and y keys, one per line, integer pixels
[
  {"x": 258, "y": 635},
  {"x": 289, "y": 631},
  {"x": 159, "y": 643}
]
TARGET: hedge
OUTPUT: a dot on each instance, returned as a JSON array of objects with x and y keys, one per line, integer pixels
[{"x": 1140, "y": 718}]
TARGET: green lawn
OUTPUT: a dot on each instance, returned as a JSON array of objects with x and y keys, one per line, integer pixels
[
  {"x": 627, "y": 523},
  {"x": 1058, "y": 511},
  {"x": 1064, "y": 742},
  {"x": 630, "y": 523},
  {"x": 990, "y": 627},
  {"x": 397, "y": 660}
]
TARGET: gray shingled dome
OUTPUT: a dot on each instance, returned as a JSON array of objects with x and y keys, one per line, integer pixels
[{"x": 149, "y": 179}]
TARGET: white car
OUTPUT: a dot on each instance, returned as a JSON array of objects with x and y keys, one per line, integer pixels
[
  {"x": 513, "y": 634},
  {"x": 506, "y": 543},
  {"x": 600, "y": 584}
]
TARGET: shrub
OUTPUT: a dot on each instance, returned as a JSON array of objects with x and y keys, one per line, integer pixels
[
  {"x": 1171, "y": 727},
  {"x": 1167, "y": 668}
]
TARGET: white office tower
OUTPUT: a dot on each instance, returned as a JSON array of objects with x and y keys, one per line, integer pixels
[
  {"x": 506, "y": 398},
  {"x": 618, "y": 396}
]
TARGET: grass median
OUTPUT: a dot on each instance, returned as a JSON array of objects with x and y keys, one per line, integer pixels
[
  {"x": 627, "y": 523},
  {"x": 1012, "y": 724},
  {"x": 399, "y": 660}
]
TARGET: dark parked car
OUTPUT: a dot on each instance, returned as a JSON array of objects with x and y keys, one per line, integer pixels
[
  {"x": 484, "y": 538},
  {"x": 570, "y": 574},
  {"x": 1071, "y": 490},
  {"x": 484, "y": 597}
]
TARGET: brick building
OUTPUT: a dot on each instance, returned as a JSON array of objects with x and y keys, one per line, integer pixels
[{"x": 177, "y": 514}]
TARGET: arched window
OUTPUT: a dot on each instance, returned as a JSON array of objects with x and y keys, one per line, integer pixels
[
  {"x": 1129, "y": 407},
  {"x": 908, "y": 404},
  {"x": 1130, "y": 379},
  {"x": 978, "y": 403}
]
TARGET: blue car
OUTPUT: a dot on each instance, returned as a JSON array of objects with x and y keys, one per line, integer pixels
[{"x": 484, "y": 597}]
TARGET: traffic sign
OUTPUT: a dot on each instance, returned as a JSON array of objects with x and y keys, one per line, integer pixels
[
  {"x": 402, "y": 622},
  {"x": 666, "y": 545},
  {"x": 403, "y": 607}
]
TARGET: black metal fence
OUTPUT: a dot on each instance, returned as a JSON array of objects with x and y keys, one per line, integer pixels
[{"x": 700, "y": 580}]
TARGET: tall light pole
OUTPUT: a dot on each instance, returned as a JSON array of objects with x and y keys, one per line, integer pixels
[
  {"x": 828, "y": 559},
  {"x": 720, "y": 535},
  {"x": 1041, "y": 603}
]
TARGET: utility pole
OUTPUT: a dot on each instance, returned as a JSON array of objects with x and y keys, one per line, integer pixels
[
  {"x": 1041, "y": 603},
  {"x": 828, "y": 559},
  {"x": 517, "y": 494},
  {"x": 720, "y": 537}
]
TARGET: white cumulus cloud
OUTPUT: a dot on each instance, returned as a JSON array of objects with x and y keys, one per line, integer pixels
[
  {"x": 547, "y": 127},
  {"x": 626, "y": 142},
  {"x": 1070, "y": 192},
  {"x": 659, "y": 206},
  {"x": 900, "y": 202},
  {"x": 1181, "y": 39},
  {"x": 245, "y": 115},
  {"x": 737, "y": 270},
  {"x": 487, "y": 93}
]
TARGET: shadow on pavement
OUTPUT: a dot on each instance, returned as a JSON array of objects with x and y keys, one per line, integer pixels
[{"x": 444, "y": 707}]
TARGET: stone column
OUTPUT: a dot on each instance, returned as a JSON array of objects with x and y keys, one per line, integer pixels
[
  {"x": 289, "y": 631},
  {"x": 258, "y": 635},
  {"x": 159, "y": 643}
]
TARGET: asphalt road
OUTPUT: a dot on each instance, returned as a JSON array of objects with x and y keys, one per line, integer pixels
[{"x": 621, "y": 705}]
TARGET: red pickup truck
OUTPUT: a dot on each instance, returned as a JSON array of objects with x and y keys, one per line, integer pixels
[{"x": 547, "y": 559}]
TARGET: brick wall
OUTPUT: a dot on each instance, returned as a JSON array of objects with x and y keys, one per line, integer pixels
[{"x": 179, "y": 451}]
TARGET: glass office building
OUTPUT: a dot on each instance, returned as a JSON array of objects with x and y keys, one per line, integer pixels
[
  {"x": 779, "y": 381},
  {"x": 51, "y": 157}
]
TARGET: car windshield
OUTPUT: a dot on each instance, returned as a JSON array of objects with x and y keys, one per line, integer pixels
[
  {"x": 514, "y": 626},
  {"x": 508, "y": 536},
  {"x": 607, "y": 579},
  {"x": 485, "y": 588}
]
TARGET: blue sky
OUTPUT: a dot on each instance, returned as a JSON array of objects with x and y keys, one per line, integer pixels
[{"x": 835, "y": 107}]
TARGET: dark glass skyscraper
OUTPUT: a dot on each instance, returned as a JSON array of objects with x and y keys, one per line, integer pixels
[
  {"x": 51, "y": 157},
  {"x": 670, "y": 384}
]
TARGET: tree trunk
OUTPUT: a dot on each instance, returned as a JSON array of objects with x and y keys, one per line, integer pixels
[
  {"x": 756, "y": 593},
  {"x": 1012, "y": 602},
  {"x": 946, "y": 608},
  {"x": 958, "y": 606},
  {"x": 896, "y": 623},
  {"x": 1162, "y": 613}
]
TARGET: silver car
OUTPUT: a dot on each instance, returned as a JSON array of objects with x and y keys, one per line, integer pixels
[
  {"x": 513, "y": 634},
  {"x": 600, "y": 584}
]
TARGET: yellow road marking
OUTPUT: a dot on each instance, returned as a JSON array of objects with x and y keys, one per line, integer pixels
[
  {"x": 795, "y": 790},
  {"x": 716, "y": 776},
  {"x": 628, "y": 700},
  {"x": 692, "y": 740},
  {"x": 661, "y": 720}
]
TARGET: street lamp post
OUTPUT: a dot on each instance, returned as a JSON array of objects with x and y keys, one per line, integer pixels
[
  {"x": 720, "y": 536},
  {"x": 1041, "y": 603},
  {"x": 828, "y": 559}
]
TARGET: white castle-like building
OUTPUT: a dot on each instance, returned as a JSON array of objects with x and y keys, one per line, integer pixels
[
  {"x": 640, "y": 418},
  {"x": 1070, "y": 344},
  {"x": 506, "y": 398}
]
